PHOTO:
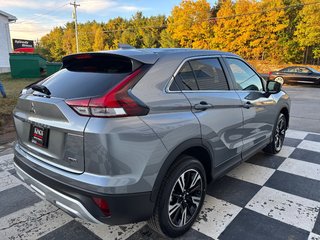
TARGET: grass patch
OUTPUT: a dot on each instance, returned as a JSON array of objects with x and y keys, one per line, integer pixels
[{"x": 12, "y": 88}]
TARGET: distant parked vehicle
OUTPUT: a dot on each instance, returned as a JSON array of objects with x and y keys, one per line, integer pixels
[{"x": 296, "y": 74}]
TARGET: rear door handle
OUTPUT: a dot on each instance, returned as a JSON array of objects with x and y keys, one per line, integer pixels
[
  {"x": 202, "y": 106},
  {"x": 248, "y": 105}
]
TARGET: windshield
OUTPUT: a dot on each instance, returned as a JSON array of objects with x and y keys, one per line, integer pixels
[{"x": 313, "y": 70}]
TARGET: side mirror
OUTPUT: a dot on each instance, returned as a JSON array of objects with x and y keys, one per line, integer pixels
[{"x": 273, "y": 87}]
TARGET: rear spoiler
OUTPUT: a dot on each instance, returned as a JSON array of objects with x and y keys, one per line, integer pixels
[{"x": 140, "y": 55}]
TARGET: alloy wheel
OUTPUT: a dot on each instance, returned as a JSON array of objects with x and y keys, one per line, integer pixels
[
  {"x": 279, "y": 80},
  {"x": 185, "y": 197}
]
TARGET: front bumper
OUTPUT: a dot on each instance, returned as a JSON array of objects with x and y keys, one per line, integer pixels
[{"x": 124, "y": 208}]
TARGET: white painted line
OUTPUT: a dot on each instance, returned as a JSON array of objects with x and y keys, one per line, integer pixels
[
  {"x": 285, "y": 151},
  {"x": 32, "y": 222},
  {"x": 8, "y": 181},
  {"x": 310, "y": 145},
  {"x": 6, "y": 157},
  {"x": 296, "y": 134},
  {"x": 288, "y": 208},
  {"x": 252, "y": 173},
  {"x": 105, "y": 231},
  {"x": 6, "y": 162},
  {"x": 215, "y": 216},
  {"x": 301, "y": 168},
  {"x": 313, "y": 236}
]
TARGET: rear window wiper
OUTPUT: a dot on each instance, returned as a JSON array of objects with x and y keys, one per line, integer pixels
[{"x": 41, "y": 88}]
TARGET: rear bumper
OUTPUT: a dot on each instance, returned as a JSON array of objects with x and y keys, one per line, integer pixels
[
  {"x": 124, "y": 208},
  {"x": 68, "y": 204}
]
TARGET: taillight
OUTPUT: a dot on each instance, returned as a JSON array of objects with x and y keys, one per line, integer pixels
[
  {"x": 118, "y": 102},
  {"x": 269, "y": 73},
  {"x": 103, "y": 205}
]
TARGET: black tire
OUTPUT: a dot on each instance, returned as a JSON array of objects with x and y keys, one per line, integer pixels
[
  {"x": 278, "y": 135},
  {"x": 166, "y": 224}
]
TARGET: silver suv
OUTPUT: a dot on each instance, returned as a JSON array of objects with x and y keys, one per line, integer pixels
[{"x": 130, "y": 135}]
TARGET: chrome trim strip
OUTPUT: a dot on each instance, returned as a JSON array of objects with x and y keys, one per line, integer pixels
[
  {"x": 62, "y": 201},
  {"x": 43, "y": 195}
]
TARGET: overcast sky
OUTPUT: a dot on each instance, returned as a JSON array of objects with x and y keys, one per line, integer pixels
[{"x": 38, "y": 17}]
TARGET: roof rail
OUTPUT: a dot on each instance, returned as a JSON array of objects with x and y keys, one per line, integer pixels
[{"x": 125, "y": 46}]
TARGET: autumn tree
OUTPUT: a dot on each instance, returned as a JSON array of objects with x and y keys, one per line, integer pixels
[
  {"x": 151, "y": 31},
  {"x": 271, "y": 25},
  {"x": 291, "y": 52},
  {"x": 52, "y": 42},
  {"x": 190, "y": 24},
  {"x": 68, "y": 40},
  {"x": 282, "y": 30},
  {"x": 85, "y": 36},
  {"x": 245, "y": 29},
  {"x": 250, "y": 28},
  {"x": 113, "y": 32},
  {"x": 167, "y": 41},
  {"x": 224, "y": 27},
  {"x": 98, "y": 40},
  {"x": 308, "y": 30}
]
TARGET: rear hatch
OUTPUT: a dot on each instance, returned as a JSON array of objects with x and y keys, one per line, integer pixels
[{"x": 51, "y": 130}]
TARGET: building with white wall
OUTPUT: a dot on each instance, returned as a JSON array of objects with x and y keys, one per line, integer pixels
[{"x": 5, "y": 40}]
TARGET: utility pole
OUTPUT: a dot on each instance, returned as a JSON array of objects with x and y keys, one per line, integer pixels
[{"x": 75, "y": 5}]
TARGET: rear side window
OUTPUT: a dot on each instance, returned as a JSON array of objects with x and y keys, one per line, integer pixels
[
  {"x": 244, "y": 76},
  {"x": 209, "y": 74},
  {"x": 185, "y": 78},
  {"x": 201, "y": 74},
  {"x": 89, "y": 76},
  {"x": 303, "y": 70},
  {"x": 287, "y": 70}
]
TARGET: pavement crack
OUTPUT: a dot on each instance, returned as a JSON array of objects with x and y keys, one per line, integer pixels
[{"x": 28, "y": 219}]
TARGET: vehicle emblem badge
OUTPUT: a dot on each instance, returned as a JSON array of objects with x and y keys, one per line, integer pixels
[{"x": 33, "y": 110}]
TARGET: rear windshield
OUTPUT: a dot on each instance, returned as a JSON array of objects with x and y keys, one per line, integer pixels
[{"x": 89, "y": 76}]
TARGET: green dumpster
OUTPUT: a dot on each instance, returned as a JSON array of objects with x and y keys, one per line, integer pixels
[
  {"x": 53, "y": 67},
  {"x": 26, "y": 65}
]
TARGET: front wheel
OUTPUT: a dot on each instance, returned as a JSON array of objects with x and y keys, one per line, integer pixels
[
  {"x": 279, "y": 80},
  {"x": 279, "y": 133},
  {"x": 180, "y": 198}
]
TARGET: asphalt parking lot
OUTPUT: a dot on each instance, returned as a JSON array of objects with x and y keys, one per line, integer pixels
[
  {"x": 305, "y": 107},
  {"x": 268, "y": 197}
]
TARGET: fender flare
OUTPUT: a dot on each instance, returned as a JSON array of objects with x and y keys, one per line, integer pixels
[{"x": 172, "y": 156}]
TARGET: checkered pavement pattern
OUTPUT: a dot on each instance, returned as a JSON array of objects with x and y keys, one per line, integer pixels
[{"x": 267, "y": 197}]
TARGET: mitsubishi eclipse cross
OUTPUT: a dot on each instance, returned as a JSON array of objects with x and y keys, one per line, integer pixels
[{"x": 137, "y": 134}]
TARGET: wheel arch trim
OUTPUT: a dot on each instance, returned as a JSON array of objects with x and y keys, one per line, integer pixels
[{"x": 171, "y": 158}]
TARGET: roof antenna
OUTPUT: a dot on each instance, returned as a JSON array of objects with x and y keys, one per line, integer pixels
[{"x": 125, "y": 46}]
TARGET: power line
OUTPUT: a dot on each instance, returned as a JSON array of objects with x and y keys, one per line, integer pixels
[
  {"x": 45, "y": 13},
  {"x": 132, "y": 29}
]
